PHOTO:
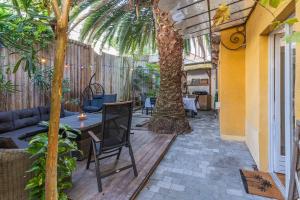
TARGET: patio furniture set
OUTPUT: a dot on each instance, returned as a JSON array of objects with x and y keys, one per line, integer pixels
[
  {"x": 101, "y": 133},
  {"x": 189, "y": 103}
]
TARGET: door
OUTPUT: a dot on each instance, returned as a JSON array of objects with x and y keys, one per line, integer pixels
[
  {"x": 282, "y": 56},
  {"x": 279, "y": 103}
]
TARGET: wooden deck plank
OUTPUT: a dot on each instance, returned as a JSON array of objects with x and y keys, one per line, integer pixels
[{"x": 149, "y": 148}]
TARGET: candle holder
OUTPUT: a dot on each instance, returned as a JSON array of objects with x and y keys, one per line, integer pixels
[{"x": 82, "y": 117}]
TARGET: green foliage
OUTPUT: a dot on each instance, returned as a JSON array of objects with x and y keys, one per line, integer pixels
[
  {"x": 116, "y": 25},
  {"x": 147, "y": 78},
  {"x": 66, "y": 164},
  {"x": 119, "y": 25},
  {"x": 271, "y": 3},
  {"x": 6, "y": 86},
  {"x": 24, "y": 30},
  {"x": 293, "y": 37},
  {"x": 42, "y": 78}
]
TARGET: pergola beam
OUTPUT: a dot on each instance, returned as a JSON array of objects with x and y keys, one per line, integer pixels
[
  {"x": 210, "y": 10},
  {"x": 208, "y": 20},
  {"x": 219, "y": 25},
  {"x": 186, "y": 6}
]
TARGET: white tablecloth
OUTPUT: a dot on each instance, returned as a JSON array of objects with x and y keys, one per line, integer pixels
[
  {"x": 148, "y": 103},
  {"x": 189, "y": 104}
]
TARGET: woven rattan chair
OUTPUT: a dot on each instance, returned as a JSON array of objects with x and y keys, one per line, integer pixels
[
  {"x": 115, "y": 134},
  {"x": 13, "y": 176}
]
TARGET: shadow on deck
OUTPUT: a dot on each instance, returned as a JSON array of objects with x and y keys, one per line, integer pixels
[{"x": 149, "y": 148}]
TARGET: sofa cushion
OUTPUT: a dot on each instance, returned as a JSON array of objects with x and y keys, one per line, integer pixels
[
  {"x": 6, "y": 122},
  {"x": 26, "y": 117},
  {"x": 97, "y": 103},
  {"x": 45, "y": 112},
  {"x": 110, "y": 98},
  {"x": 91, "y": 109},
  {"x": 22, "y": 136}
]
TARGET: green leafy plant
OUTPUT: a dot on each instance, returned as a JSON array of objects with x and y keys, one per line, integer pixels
[
  {"x": 42, "y": 78},
  {"x": 6, "y": 88},
  {"x": 66, "y": 163},
  {"x": 24, "y": 30},
  {"x": 293, "y": 37},
  {"x": 147, "y": 78},
  {"x": 223, "y": 14}
]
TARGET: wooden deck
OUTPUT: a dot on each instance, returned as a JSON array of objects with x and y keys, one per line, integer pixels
[{"x": 149, "y": 148}]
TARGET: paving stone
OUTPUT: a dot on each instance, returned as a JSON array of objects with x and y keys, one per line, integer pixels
[{"x": 201, "y": 166}]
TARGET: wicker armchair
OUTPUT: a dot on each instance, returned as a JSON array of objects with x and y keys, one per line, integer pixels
[{"x": 13, "y": 177}]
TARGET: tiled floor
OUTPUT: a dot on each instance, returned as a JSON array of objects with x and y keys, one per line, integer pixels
[{"x": 199, "y": 165}]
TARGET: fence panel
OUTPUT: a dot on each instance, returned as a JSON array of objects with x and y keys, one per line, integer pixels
[{"x": 113, "y": 72}]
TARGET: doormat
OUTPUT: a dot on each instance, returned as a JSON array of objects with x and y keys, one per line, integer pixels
[{"x": 260, "y": 183}]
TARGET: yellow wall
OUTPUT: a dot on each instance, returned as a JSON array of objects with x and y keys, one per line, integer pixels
[
  {"x": 232, "y": 91},
  {"x": 255, "y": 76},
  {"x": 256, "y": 64}
]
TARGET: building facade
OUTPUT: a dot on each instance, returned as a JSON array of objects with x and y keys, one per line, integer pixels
[{"x": 259, "y": 86}]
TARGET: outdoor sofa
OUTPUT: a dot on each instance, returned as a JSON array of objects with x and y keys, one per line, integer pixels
[
  {"x": 16, "y": 128},
  {"x": 20, "y": 125}
]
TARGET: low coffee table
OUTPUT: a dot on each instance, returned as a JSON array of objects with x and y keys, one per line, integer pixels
[{"x": 92, "y": 122}]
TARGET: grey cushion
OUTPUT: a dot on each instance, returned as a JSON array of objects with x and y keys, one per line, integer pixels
[
  {"x": 110, "y": 98},
  {"x": 91, "y": 109},
  {"x": 22, "y": 136},
  {"x": 26, "y": 117},
  {"x": 45, "y": 112},
  {"x": 6, "y": 122},
  {"x": 70, "y": 113}
]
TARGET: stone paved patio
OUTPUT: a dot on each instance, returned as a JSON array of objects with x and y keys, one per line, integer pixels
[{"x": 200, "y": 166}]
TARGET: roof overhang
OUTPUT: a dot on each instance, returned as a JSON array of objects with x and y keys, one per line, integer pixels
[{"x": 194, "y": 17}]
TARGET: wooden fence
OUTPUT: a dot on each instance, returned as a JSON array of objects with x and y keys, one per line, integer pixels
[{"x": 113, "y": 72}]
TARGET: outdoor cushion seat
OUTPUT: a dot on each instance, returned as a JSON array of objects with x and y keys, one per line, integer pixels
[
  {"x": 25, "y": 118},
  {"x": 6, "y": 122},
  {"x": 19, "y": 126},
  {"x": 98, "y": 96},
  {"x": 45, "y": 112},
  {"x": 110, "y": 98},
  {"x": 21, "y": 136},
  {"x": 97, "y": 102},
  {"x": 91, "y": 109}
]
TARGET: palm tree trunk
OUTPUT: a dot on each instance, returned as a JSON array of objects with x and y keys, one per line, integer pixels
[
  {"x": 169, "y": 115},
  {"x": 56, "y": 94}
]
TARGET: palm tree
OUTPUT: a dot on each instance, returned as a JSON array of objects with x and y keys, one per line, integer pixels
[{"x": 141, "y": 30}]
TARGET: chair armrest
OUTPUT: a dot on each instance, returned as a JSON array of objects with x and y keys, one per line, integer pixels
[
  {"x": 94, "y": 137},
  {"x": 70, "y": 113}
]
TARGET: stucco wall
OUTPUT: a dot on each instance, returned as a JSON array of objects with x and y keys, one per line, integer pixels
[
  {"x": 232, "y": 91},
  {"x": 256, "y": 64},
  {"x": 256, "y": 74}
]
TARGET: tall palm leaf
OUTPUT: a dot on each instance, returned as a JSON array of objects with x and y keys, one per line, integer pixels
[{"x": 118, "y": 24}]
